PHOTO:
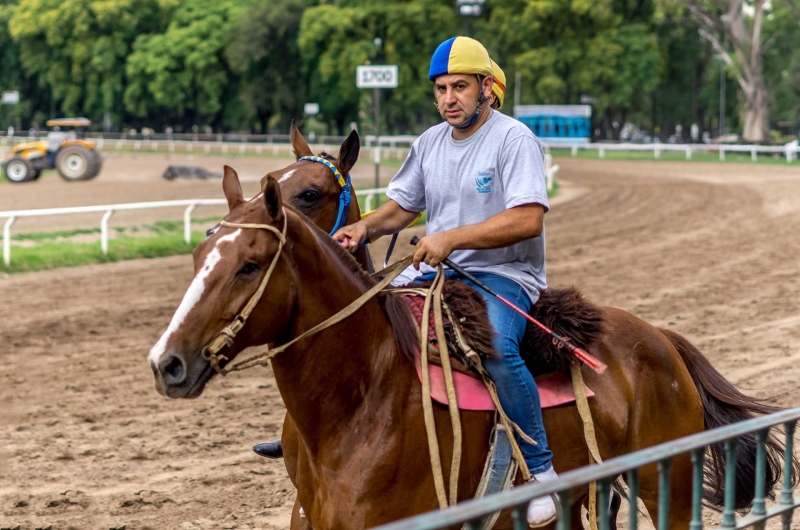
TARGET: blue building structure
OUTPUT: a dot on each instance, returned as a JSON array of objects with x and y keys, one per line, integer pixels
[{"x": 567, "y": 124}]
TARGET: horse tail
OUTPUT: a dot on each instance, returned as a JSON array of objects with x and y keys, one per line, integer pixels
[{"x": 723, "y": 405}]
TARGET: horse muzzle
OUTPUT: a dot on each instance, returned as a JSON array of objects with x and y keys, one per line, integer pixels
[{"x": 175, "y": 378}]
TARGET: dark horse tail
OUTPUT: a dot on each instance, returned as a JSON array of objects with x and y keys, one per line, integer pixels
[{"x": 723, "y": 404}]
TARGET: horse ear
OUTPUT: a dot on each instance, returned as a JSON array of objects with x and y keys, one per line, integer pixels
[
  {"x": 272, "y": 198},
  {"x": 299, "y": 144},
  {"x": 231, "y": 187},
  {"x": 348, "y": 153}
]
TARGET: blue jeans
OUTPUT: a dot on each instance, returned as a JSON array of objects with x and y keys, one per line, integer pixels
[{"x": 515, "y": 385}]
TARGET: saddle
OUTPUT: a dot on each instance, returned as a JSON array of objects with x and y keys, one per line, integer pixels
[{"x": 565, "y": 311}]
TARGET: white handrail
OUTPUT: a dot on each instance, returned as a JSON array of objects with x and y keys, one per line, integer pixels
[{"x": 109, "y": 209}]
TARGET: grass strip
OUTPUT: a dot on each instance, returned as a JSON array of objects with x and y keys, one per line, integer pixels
[
  {"x": 731, "y": 157},
  {"x": 57, "y": 255}
]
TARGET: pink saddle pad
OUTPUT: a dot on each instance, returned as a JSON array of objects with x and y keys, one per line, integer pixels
[{"x": 472, "y": 394}]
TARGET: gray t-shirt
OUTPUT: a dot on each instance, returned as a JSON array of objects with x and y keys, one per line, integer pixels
[{"x": 463, "y": 182}]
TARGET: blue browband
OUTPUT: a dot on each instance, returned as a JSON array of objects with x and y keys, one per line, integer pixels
[{"x": 344, "y": 197}]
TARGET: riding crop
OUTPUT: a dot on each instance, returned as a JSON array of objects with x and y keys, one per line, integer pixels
[{"x": 580, "y": 353}]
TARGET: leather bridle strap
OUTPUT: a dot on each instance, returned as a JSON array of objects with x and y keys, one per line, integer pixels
[
  {"x": 226, "y": 336},
  {"x": 262, "y": 359}
]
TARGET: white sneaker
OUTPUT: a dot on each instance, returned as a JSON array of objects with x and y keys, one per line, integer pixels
[{"x": 542, "y": 511}]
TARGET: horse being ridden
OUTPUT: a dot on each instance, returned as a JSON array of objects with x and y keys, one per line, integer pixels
[{"x": 355, "y": 399}]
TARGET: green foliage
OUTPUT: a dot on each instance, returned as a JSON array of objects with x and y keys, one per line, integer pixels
[
  {"x": 334, "y": 39},
  {"x": 77, "y": 49},
  {"x": 566, "y": 50},
  {"x": 782, "y": 63},
  {"x": 263, "y": 52},
  {"x": 251, "y": 64},
  {"x": 182, "y": 71}
]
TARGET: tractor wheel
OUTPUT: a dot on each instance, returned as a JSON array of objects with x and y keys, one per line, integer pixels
[
  {"x": 36, "y": 174},
  {"x": 19, "y": 169},
  {"x": 75, "y": 162}
]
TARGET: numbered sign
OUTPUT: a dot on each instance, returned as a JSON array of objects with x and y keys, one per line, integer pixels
[{"x": 376, "y": 76}]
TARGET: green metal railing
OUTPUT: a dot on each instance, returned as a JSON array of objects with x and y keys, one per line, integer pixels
[{"x": 517, "y": 499}]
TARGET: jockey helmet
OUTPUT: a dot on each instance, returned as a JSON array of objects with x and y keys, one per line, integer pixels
[{"x": 499, "y": 86}]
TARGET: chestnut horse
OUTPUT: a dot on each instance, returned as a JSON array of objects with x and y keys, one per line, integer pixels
[{"x": 357, "y": 453}]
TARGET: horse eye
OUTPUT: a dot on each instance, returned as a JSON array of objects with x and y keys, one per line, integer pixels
[
  {"x": 210, "y": 231},
  {"x": 309, "y": 196},
  {"x": 248, "y": 268}
]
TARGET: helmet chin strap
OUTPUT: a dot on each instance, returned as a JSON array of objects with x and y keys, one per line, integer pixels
[{"x": 469, "y": 122}]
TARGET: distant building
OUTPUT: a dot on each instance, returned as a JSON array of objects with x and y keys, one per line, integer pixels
[{"x": 567, "y": 124}]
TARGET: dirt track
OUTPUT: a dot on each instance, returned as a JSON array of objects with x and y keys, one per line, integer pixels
[{"x": 708, "y": 250}]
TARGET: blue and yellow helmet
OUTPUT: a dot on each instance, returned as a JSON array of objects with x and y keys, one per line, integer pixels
[{"x": 460, "y": 55}]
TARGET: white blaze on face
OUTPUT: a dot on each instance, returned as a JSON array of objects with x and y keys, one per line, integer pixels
[
  {"x": 287, "y": 175},
  {"x": 192, "y": 296}
]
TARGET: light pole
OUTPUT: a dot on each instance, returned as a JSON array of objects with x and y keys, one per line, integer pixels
[
  {"x": 467, "y": 9},
  {"x": 377, "y": 97},
  {"x": 722, "y": 99}
]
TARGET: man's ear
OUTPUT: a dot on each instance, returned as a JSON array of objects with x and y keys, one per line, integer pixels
[
  {"x": 232, "y": 188},
  {"x": 299, "y": 145},
  {"x": 348, "y": 153},
  {"x": 486, "y": 86},
  {"x": 272, "y": 198}
]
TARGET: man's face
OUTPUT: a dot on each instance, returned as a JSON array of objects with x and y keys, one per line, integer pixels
[{"x": 457, "y": 96}]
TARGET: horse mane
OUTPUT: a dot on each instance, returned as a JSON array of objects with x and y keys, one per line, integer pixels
[
  {"x": 327, "y": 156},
  {"x": 404, "y": 327}
]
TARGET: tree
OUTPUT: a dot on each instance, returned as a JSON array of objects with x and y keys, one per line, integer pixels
[
  {"x": 564, "y": 50},
  {"x": 334, "y": 39},
  {"x": 737, "y": 38},
  {"x": 181, "y": 74},
  {"x": 264, "y": 54},
  {"x": 782, "y": 63},
  {"x": 76, "y": 49}
]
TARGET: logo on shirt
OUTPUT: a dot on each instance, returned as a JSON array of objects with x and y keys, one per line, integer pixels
[{"x": 483, "y": 184}]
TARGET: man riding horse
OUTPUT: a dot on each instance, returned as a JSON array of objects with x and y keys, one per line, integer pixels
[{"x": 480, "y": 176}]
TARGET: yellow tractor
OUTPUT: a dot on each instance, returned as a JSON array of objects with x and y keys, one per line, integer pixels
[{"x": 74, "y": 157}]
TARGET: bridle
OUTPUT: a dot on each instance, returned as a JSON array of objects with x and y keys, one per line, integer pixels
[
  {"x": 225, "y": 337},
  {"x": 228, "y": 333},
  {"x": 345, "y": 196}
]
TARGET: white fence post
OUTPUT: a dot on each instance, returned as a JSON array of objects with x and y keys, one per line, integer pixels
[
  {"x": 601, "y": 152},
  {"x": 753, "y": 155},
  {"x": 7, "y": 241},
  {"x": 187, "y": 223},
  {"x": 574, "y": 151},
  {"x": 688, "y": 153},
  {"x": 104, "y": 231},
  {"x": 721, "y": 153}
]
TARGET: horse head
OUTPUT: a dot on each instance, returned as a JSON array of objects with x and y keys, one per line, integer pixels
[
  {"x": 229, "y": 267},
  {"x": 312, "y": 188}
]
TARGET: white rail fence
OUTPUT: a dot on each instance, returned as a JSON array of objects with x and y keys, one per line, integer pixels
[
  {"x": 108, "y": 210},
  {"x": 391, "y": 147},
  {"x": 789, "y": 151}
]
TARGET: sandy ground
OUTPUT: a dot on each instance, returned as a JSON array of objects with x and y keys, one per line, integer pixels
[{"x": 706, "y": 249}]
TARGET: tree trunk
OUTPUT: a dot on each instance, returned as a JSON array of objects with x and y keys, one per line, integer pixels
[
  {"x": 756, "y": 115},
  {"x": 748, "y": 66}
]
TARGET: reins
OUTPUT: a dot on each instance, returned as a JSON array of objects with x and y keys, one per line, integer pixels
[{"x": 433, "y": 300}]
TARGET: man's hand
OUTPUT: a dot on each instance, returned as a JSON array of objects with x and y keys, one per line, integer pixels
[
  {"x": 351, "y": 236},
  {"x": 432, "y": 249}
]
